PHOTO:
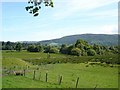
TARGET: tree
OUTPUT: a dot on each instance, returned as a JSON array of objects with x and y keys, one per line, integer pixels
[
  {"x": 47, "y": 49},
  {"x": 30, "y": 48},
  {"x": 33, "y": 48},
  {"x": 112, "y": 48},
  {"x": 80, "y": 46},
  {"x": 64, "y": 49},
  {"x": 83, "y": 45},
  {"x": 35, "y": 5},
  {"x": 53, "y": 50},
  {"x": 81, "y": 42},
  {"x": 18, "y": 47},
  {"x": 97, "y": 49},
  {"x": 76, "y": 51},
  {"x": 91, "y": 52},
  {"x": 40, "y": 48},
  {"x": 84, "y": 53},
  {"x": 8, "y": 45},
  {"x": 70, "y": 48}
]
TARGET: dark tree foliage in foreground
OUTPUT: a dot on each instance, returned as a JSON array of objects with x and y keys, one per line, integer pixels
[{"x": 35, "y": 5}]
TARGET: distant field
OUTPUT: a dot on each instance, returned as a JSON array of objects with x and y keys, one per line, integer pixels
[
  {"x": 38, "y": 58},
  {"x": 104, "y": 76}
]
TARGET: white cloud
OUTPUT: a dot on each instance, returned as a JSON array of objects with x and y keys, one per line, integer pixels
[{"x": 67, "y": 8}]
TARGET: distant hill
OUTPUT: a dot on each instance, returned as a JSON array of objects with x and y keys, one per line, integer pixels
[{"x": 101, "y": 39}]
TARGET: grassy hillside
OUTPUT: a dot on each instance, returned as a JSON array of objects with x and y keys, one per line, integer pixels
[
  {"x": 11, "y": 61},
  {"x": 89, "y": 75},
  {"x": 24, "y": 82}
]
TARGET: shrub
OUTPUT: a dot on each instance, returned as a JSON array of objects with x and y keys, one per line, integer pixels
[
  {"x": 76, "y": 51},
  {"x": 54, "y": 50},
  {"x": 84, "y": 53},
  {"x": 33, "y": 48},
  {"x": 91, "y": 52}
]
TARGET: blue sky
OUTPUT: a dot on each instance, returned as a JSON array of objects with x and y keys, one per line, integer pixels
[{"x": 68, "y": 17}]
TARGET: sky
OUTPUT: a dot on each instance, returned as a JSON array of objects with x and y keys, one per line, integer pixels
[{"x": 68, "y": 17}]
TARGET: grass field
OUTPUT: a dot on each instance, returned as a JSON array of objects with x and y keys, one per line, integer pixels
[{"x": 89, "y": 75}]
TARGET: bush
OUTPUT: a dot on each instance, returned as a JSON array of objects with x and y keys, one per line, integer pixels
[
  {"x": 76, "y": 51},
  {"x": 33, "y": 48},
  {"x": 47, "y": 49},
  {"x": 91, "y": 52},
  {"x": 54, "y": 50},
  {"x": 84, "y": 53}
]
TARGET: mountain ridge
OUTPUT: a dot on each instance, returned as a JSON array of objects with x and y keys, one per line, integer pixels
[{"x": 101, "y": 39}]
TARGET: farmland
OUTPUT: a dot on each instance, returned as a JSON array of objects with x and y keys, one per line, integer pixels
[{"x": 101, "y": 75}]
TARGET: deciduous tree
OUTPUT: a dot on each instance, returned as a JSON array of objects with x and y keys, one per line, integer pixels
[
  {"x": 35, "y": 5},
  {"x": 18, "y": 47}
]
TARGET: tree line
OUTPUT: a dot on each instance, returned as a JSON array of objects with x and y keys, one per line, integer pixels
[{"x": 80, "y": 48}]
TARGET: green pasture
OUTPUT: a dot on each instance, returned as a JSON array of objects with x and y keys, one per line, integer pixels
[{"x": 102, "y": 76}]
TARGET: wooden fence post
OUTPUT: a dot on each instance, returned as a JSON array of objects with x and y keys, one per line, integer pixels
[
  {"x": 34, "y": 75},
  {"x": 46, "y": 77},
  {"x": 59, "y": 80},
  {"x": 77, "y": 82}
]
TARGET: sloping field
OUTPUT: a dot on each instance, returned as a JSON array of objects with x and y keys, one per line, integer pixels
[{"x": 90, "y": 76}]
